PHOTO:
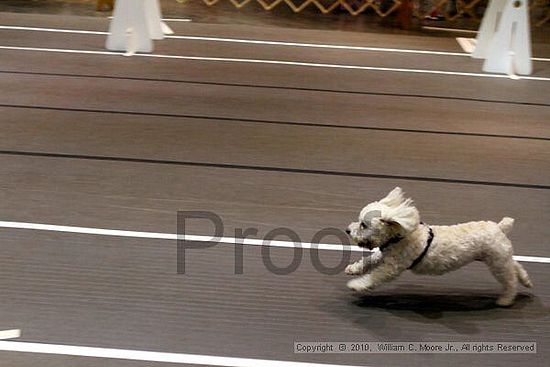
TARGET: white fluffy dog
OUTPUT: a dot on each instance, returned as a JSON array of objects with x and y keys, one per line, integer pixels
[{"x": 392, "y": 228}]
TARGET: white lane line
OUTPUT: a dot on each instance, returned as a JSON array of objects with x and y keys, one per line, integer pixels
[
  {"x": 532, "y": 259},
  {"x": 10, "y": 334},
  {"x": 319, "y": 45},
  {"x": 200, "y": 238},
  {"x": 279, "y": 62},
  {"x": 169, "y": 19},
  {"x": 448, "y": 29},
  {"x": 261, "y": 42},
  {"x": 250, "y": 41},
  {"x": 59, "y": 50},
  {"x": 328, "y": 46},
  {"x": 469, "y": 45},
  {"x": 176, "y": 20},
  {"x": 53, "y": 30},
  {"x": 475, "y": 32},
  {"x": 149, "y": 356},
  {"x": 172, "y": 236}
]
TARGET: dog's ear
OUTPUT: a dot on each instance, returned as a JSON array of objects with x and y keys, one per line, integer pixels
[
  {"x": 405, "y": 215},
  {"x": 388, "y": 222},
  {"x": 394, "y": 198}
]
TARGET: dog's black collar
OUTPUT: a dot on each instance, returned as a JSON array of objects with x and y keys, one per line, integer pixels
[
  {"x": 396, "y": 239},
  {"x": 419, "y": 258},
  {"x": 390, "y": 242}
]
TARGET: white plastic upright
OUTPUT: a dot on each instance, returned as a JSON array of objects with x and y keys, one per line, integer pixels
[
  {"x": 504, "y": 38},
  {"x": 154, "y": 19},
  {"x": 129, "y": 29},
  {"x": 488, "y": 27},
  {"x": 510, "y": 48}
]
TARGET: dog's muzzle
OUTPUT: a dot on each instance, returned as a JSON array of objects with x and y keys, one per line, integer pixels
[
  {"x": 363, "y": 244},
  {"x": 366, "y": 244}
]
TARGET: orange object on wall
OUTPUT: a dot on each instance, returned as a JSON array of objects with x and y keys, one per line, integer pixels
[{"x": 105, "y": 5}]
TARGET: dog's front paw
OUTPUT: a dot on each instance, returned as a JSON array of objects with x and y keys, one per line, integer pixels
[
  {"x": 359, "y": 285},
  {"x": 354, "y": 269}
]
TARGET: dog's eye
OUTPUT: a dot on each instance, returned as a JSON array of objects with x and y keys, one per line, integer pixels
[{"x": 363, "y": 225}]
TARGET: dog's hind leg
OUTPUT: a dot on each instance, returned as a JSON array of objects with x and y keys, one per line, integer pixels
[{"x": 503, "y": 268}]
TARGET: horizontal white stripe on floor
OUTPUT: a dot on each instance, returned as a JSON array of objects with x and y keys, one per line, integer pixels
[
  {"x": 169, "y": 19},
  {"x": 448, "y": 29},
  {"x": 172, "y": 236},
  {"x": 469, "y": 45},
  {"x": 53, "y": 30},
  {"x": 200, "y": 238},
  {"x": 280, "y": 62},
  {"x": 263, "y": 42},
  {"x": 319, "y": 45},
  {"x": 149, "y": 356},
  {"x": 177, "y": 20},
  {"x": 249, "y": 41}
]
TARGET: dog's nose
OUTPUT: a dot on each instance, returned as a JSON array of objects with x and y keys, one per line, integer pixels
[{"x": 348, "y": 231}]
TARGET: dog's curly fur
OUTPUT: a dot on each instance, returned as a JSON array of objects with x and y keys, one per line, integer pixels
[{"x": 394, "y": 223}]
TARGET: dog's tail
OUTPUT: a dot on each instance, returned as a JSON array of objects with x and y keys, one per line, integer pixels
[
  {"x": 522, "y": 275},
  {"x": 506, "y": 224}
]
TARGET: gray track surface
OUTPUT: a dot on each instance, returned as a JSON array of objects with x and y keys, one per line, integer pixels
[{"x": 124, "y": 143}]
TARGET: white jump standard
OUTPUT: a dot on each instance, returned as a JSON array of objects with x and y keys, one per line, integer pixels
[
  {"x": 504, "y": 38},
  {"x": 135, "y": 24}
]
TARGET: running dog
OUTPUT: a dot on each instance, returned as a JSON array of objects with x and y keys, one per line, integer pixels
[{"x": 392, "y": 230}]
